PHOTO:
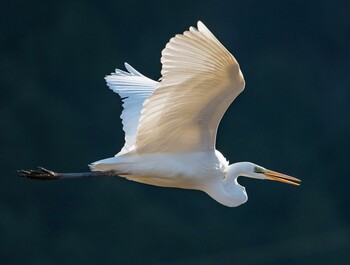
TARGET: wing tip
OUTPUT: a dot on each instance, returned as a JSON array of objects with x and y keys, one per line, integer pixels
[
  {"x": 200, "y": 24},
  {"x": 201, "y": 27},
  {"x": 132, "y": 70}
]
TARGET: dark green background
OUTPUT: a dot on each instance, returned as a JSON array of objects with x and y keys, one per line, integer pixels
[{"x": 293, "y": 117}]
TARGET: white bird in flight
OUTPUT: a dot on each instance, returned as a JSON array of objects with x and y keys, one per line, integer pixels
[{"x": 170, "y": 126}]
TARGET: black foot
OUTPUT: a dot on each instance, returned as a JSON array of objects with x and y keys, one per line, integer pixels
[{"x": 39, "y": 174}]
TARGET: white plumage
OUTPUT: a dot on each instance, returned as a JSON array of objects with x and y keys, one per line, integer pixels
[
  {"x": 133, "y": 88},
  {"x": 170, "y": 126}
]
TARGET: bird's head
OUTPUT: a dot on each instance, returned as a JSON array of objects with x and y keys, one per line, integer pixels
[
  {"x": 231, "y": 194},
  {"x": 250, "y": 170}
]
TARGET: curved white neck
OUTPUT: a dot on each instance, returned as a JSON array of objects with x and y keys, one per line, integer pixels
[{"x": 227, "y": 191}]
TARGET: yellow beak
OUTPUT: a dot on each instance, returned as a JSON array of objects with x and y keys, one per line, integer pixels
[{"x": 273, "y": 175}]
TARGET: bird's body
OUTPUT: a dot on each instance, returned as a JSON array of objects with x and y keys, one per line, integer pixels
[
  {"x": 204, "y": 171},
  {"x": 170, "y": 126},
  {"x": 187, "y": 171}
]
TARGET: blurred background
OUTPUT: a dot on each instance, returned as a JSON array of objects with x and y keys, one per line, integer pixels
[{"x": 57, "y": 112}]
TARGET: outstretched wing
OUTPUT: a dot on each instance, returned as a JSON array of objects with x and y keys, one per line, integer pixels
[
  {"x": 133, "y": 88},
  {"x": 200, "y": 79}
]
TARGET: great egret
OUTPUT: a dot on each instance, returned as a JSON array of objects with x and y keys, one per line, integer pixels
[{"x": 170, "y": 126}]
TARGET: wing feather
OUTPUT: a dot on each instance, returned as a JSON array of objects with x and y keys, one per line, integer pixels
[
  {"x": 133, "y": 88},
  {"x": 200, "y": 79}
]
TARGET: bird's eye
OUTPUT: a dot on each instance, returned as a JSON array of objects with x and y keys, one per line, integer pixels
[{"x": 258, "y": 170}]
